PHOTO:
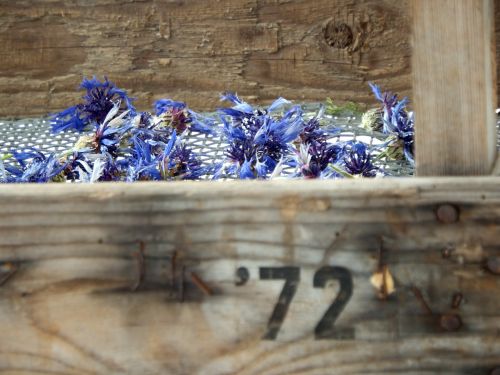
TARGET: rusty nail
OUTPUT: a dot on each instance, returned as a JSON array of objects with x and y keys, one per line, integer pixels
[
  {"x": 201, "y": 284},
  {"x": 11, "y": 270},
  {"x": 447, "y": 214},
  {"x": 384, "y": 292},
  {"x": 381, "y": 253},
  {"x": 420, "y": 298},
  {"x": 456, "y": 300},
  {"x": 447, "y": 251},
  {"x": 450, "y": 322},
  {"x": 181, "y": 284},
  {"x": 242, "y": 275},
  {"x": 141, "y": 267},
  {"x": 493, "y": 265},
  {"x": 495, "y": 371},
  {"x": 173, "y": 264}
]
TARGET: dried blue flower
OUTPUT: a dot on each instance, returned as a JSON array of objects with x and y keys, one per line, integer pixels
[
  {"x": 34, "y": 166},
  {"x": 107, "y": 136},
  {"x": 257, "y": 140},
  {"x": 314, "y": 161},
  {"x": 246, "y": 171},
  {"x": 143, "y": 165},
  {"x": 315, "y": 152},
  {"x": 90, "y": 172},
  {"x": 398, "y": 123},
  {"x": 107, "y": 139},
  {"x": 356, "y": 160},
  {"x": 165, "y": 105},
  {"x": 99, "y": 99},
  {"x": 177, "y": 116},
  {"x": 98, "y": 168},
  {"x": 73, "y": 162},
  {"x": 184, "y": 163},
  {"x": 179, "y": 162}
]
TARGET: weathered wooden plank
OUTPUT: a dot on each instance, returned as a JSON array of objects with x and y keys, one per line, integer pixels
[
  {"x": 193, "y": 50},
  {"x": 454, "y": 87},
  {"x": 68, "y": 305}
]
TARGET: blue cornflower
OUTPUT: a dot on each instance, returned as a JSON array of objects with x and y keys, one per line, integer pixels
[
  {"x": 312, "y": 133},
  {"x": 258, "y": 141},
  {"x": 73, "y": 162},
  {"x": 142, "y": 165},
  {"x": 179, "y": 162},
  {"x": 179, "y": 117},
  {"x": 90, "y": 172},
  {"x": 356, "y": 160},
  {"x": 107, "y": 136},
  {"x": 397, "y": 122},
  {"x": 107, "y": 139},
  {"x": 98, "y": 167},
  {"x": 184, "y": 163},
  {"x": 164, "y": 105},
  {"x": 314, "y": 161},
  {"x": 149, "y": 129},
  {"x": 34, "y": 166},
  {"x": 99, "y": 99},
  {"x": 315, "y": 152}
]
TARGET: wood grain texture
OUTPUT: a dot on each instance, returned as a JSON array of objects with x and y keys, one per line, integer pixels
[
  {"x": 69, "y": 308},
  {"x": 193, "y": 50},
  {"x": 454, "y": 87}
]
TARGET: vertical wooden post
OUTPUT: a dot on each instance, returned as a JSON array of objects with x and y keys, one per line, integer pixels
[{"x": 454, "y": 86}]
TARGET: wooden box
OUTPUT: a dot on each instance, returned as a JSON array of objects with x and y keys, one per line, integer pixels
[{"x": 383, "y": 276}]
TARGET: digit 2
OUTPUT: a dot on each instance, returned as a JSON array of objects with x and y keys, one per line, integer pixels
[
  {"x": 292, "y": 277},
  {"x": 325, "y": 328}
]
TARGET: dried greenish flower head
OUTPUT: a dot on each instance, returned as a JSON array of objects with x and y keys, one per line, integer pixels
[
  {"x": 85, "y": 141},
  {"x": 372, "y": 119}
]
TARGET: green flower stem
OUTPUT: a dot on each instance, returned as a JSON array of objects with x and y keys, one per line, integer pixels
[
  {"x": 381, "y": 155},
  {"x": 341, "y": 171}
]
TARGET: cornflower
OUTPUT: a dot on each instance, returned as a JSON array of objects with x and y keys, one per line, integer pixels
[{"x": 99, "y": 99}]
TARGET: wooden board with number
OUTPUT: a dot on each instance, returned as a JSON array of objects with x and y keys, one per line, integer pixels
[{"x": 339, "y": 277}]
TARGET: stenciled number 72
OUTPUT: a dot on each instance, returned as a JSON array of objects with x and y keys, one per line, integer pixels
[{"x": 325, "y": 328}]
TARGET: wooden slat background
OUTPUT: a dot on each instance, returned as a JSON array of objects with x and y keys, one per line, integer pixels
[{"x": 194, "y": 49}]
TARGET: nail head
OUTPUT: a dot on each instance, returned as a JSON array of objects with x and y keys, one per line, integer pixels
[
  {"x": 493, "y": 265},
  {"x": 447, "y": 214},
  {"x": 450, "y": 322}
]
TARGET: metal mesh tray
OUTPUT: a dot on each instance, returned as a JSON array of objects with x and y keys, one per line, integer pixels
[{"x": 36, "y": 132}]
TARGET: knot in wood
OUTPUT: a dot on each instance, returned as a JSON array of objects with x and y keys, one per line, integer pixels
[{"x": 338, "y": 35}]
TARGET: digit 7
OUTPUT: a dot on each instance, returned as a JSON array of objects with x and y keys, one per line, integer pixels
[{"x": 292, "y": 277}]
